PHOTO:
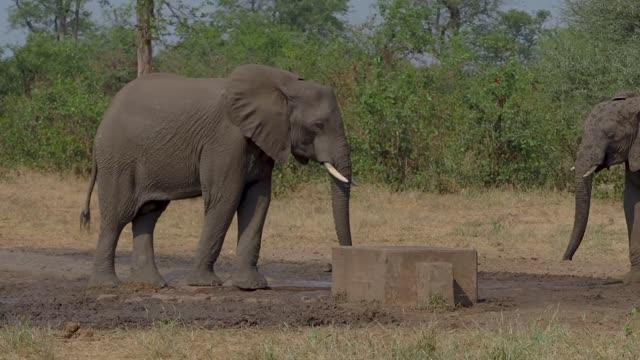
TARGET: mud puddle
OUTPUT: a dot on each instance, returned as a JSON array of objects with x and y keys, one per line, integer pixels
[{"x": 47, "y": 287}]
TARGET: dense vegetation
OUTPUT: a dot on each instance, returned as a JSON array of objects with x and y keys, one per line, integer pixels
[{"x": 436, "y": 95}]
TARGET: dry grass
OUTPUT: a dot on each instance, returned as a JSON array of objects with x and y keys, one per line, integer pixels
[
  {"x": 527, "y": 229},
  {"x": 510, "y": 339},
  {"x": 20, "y": 341},
  {"x": 511, "y": 230}
]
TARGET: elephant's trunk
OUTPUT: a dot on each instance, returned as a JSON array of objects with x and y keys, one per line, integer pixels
[
  {"x": 340, "y": 192},
  {"x": 583, "y": 203}
]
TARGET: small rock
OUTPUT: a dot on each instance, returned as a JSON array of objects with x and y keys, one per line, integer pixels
[
  {"x": 107, "y": 297},
  {"x": 307, "y": 299},
  {"x": 250, "y": 301},
  {"x": 162, "y": 297},
  {"x": 134, "y": 299},
  {"x": 70, "y": 328},
  {"x": 327, "y": 267},
  {"x": 202, "y": 297}
]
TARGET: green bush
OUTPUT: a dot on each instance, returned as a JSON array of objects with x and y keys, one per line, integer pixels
[
  {"x": 464, "y": 119},
  {"x": 53, "y": 128}
]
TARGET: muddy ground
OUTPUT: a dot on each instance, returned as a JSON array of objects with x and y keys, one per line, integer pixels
[{"x": 48, "y": 287}]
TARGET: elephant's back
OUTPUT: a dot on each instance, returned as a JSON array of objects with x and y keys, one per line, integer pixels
[
  {"x": 163, "y": 96},
  {"x": 157, "y": 114},
  {"x": 158, "y": 102}
]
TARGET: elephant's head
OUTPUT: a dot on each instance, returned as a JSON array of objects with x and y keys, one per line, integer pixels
[
  {"x": 282, "y": 114},
  {"x": 610, "y": 137}
]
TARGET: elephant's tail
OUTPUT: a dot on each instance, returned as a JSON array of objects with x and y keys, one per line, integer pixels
[{"x": 85, "y": 215}]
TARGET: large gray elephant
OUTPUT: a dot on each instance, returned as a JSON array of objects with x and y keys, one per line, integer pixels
[
  {"x": 166, "y": 137},
  {"x": 610, "y": 137}
]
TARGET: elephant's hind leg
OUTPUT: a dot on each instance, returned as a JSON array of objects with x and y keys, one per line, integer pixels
[
  {"x": 143, "y": 265},
  {"x": 104, "y": 272}
]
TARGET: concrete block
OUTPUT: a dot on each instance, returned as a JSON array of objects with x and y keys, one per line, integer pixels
[
  {"x": 434, "y": 279},
  {"x": 388, "y": 273}
]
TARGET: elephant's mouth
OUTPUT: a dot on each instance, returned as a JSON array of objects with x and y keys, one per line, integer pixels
[
  {"x": 593, "y": 170},
  {"x": 608, "y": 161},
  {"x": 301, "y": 159},
  {"x": 615, "y": 155}
]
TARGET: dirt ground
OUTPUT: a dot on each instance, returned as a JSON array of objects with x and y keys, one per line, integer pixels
[
  {"x": 48, "y": 288},
  {"x": 45, "y": 260}
]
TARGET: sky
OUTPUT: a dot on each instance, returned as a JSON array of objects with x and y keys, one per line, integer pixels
[{"x": 360, "y": 11}]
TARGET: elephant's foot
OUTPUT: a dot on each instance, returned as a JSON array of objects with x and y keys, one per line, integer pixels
[
  {"x": 203, "y": 278},
  {"x": 632, "y": 277},
  {"x": 104, "y": 279},
  {"x": 249, "y": 279},
  {"x": 148, "y": 276}
]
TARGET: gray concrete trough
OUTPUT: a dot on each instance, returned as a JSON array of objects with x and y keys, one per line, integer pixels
[{"x": 405, "y": 275}]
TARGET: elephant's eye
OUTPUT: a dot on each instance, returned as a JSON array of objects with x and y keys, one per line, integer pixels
[
  {"x": 308, "y": 136},
  {"x": 611, "y": 135},
  {"x": 318, "y": 126}
]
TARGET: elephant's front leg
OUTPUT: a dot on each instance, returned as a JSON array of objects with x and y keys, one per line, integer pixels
[
  {"x": 252, "y": 213},
  {"x": 632, "y": 216},
  {"x": 219, "y": 210}
]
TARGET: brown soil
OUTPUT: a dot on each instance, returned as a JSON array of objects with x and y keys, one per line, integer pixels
[
  {"x": 299, "y": 296},
  {"x": 48, "y": 287},
  {"x": 519, "y": 236}
]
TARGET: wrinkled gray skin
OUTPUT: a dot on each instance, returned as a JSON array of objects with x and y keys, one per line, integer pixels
[
  {"x": 165, "y": 137},
  {"x": 610, "y": 138}
]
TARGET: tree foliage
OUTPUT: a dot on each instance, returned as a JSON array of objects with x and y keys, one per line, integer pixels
[
  {"x": 613, "y": 20},
  {"x": 321, "y": 17},
  {"x": 436, "y": 95},
  {"x": 514, "y": 34},
  {"x": 60, "y": 18}
]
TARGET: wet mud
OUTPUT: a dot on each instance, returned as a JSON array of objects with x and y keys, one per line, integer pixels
[{"x": 49, "y": 287}]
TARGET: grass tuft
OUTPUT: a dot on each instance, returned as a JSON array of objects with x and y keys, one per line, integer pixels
[
  {"x": 435, "y": 303},
  {"x": 21, "y": 341}
]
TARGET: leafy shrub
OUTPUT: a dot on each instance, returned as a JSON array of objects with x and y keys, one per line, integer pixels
[
  {"x": 53, "y": 129},
  {"x": 494, "y": 105}
]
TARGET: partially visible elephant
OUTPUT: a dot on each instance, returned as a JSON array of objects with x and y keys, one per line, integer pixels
[
  {"x": 166, "y": 137},
  {"x": 610, "y": 137}
]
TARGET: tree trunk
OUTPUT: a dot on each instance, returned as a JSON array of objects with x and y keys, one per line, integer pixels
[
  {"x": 145, "y": 17},
  {"x": 455, "y": 17},
  {"x": 62, "y": 27},
  {"x": 76, "y": 21},
  {"x": 61, "y": 20}
]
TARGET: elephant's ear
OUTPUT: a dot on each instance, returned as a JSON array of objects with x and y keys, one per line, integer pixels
[
  {"x": 634, "y": 152},
  {"x": 259, "y": 107}
]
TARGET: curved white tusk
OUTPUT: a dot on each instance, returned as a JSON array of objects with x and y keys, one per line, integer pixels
[
  {"x": 335, "y": 173},
  {"x": 573, "y": 168},
  {"x": 591, "y": 171}
]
